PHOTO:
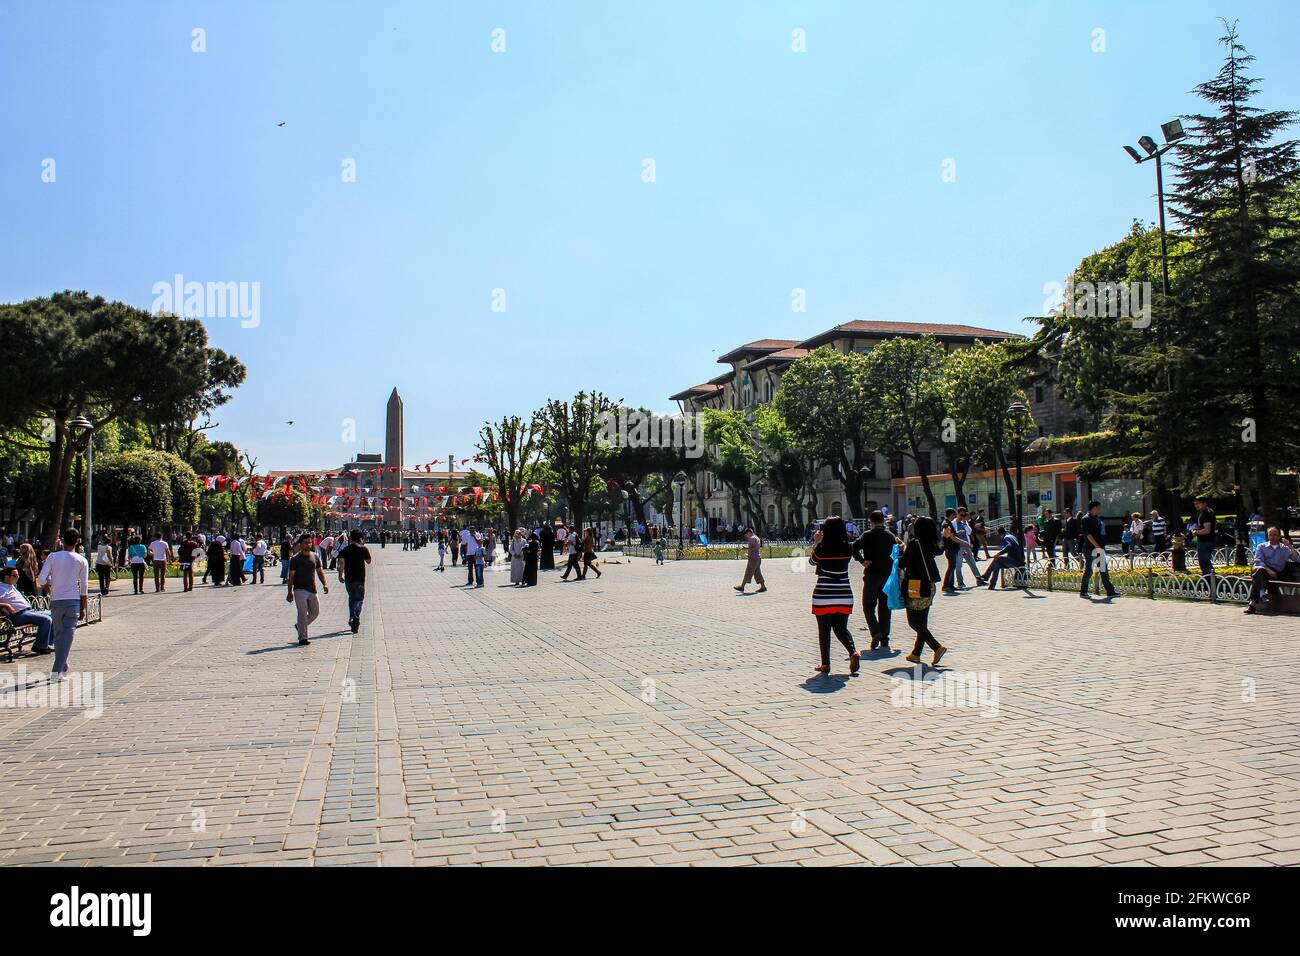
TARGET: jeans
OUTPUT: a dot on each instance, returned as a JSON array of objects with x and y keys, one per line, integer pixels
[
  {"x": 259, "y": 567},
  {"x": 1205, "y": 556},
  {"x": 575, "y": 564},
  {"x": 43, "y": 624},
  {"x": 105, "y": 572},
  {"x": 1105, "y": 575},
  {"x": 950, "y": 573},
  {"x": 356, "y": 596},
  {"x": 159, "y": 575},
  {"x": 284, "y": 570},
  {"x": 137, "y": 578},
  {"x": 968, "y": 557},
  {"x": 308, "y": 610},
  {"x": 478, "y": 569},
  {"x": 839, "y": 623},
  {"x": 876, "y": 605},
  {"x": 996, "y": 566},
  {"x": 63, "y": 619}
]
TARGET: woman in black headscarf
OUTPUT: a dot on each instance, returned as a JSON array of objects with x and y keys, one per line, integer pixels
[
  {"x": 917, "y": 580},
  {"x": 546, "y": 548},
  {"x": 531, "y": 550}
]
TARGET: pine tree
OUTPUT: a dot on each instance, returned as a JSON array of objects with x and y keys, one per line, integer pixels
[{"x": 1237, "y": 333}]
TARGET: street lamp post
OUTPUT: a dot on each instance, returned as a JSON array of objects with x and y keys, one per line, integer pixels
[
  {"x": 1017, "y": 410},
  {"x": 1172, "y": 132},
  {"x": 680, "y": 481},
  {"x": 85, "y": 429}
]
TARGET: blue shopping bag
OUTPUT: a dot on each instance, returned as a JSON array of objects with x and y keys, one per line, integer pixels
[
  {"x": 892, "y": 591},
  {"x": 248, "y": 564}
]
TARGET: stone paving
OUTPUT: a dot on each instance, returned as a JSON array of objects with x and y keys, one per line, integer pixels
[{"x": 654, "y": 716}]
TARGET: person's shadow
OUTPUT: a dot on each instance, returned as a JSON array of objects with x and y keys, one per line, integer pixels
[
  {"x": 824, "y": 683},
  {"x": 294, "y": 645}
]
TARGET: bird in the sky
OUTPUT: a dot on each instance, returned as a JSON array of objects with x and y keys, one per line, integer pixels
[
  {"x": 288, "y": 423},
  {"x": 279, "y": 124}
]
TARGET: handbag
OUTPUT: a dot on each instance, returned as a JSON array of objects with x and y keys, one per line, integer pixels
[{"x": 893, "y": 592}]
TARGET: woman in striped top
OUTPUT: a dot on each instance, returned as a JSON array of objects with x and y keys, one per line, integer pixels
[{"x": 832, "y": 600}]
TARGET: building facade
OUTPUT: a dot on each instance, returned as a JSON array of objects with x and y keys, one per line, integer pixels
[{"x": 753, "y": 376}]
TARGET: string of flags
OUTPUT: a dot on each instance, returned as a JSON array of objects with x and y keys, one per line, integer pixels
[{"x": 429, "y": 498}]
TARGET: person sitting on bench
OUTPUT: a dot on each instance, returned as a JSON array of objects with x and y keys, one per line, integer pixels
[
  {"x": 1275, "y": 560},
  {"x": 18, "y": 609},
  {"x": 1012, "y": 555}
]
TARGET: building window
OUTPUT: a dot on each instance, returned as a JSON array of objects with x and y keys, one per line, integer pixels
[
  {"x": 1038, "y": 394},
  {"x": 896, "y": 467}
]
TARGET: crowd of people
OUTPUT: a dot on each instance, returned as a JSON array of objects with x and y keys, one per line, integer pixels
[{"x": 897, "y": 557}]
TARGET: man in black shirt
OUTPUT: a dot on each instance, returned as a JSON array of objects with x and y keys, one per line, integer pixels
[
  {"x": 874, "y": 548},
  {"x": 304, "y": 569},
  {"x": 1047, "y": 538},
  {"x": 352, "y": 572},
  {"x": 1204, "y": 533},
  {"x": 1094, "y": 550}
]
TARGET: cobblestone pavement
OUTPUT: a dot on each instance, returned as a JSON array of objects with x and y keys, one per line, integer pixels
[{"x": 655, "y": 716}]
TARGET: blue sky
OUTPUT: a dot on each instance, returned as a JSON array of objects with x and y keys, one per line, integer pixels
[{"x": 523, "y": 171}]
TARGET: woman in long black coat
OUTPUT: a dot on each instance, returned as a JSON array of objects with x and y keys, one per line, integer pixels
[
  {"x": 546, "y": 548},
  {"x": 530, "y": 559}
]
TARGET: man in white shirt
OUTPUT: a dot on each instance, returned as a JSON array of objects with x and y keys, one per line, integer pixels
[
  {"x": 161, "y": 552},
  {"x": 573, "y": 553},
  {"x": 237, "y": 552},
  {"x": 66, "y": 579},
  {"x": 259, "y": 560},
  {"x": 323, "y": 551}
]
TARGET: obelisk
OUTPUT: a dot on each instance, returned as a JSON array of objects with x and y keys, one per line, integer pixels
[{"x": 393, "y": 444}]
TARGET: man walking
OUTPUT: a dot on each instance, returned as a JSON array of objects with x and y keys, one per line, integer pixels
[
  {"x": 161, "y": 552},
  {"x": 304, "y": 570},
  {"x": 189, "y": 551},
  {"x": 237, "y": 552},
  {"x": 66, "y": 579},
  {"x": 572, "y": 553},
  {"x": 1094, "y": 557},
  {"x": 875, "y": 549},
  {"x": 753, "y": 562},
  {"x": 352, "y": 572},
  {"x": 1158, "y": 530},
  {"x": 260, "y": 549}
]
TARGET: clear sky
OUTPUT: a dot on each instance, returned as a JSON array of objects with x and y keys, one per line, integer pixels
[{"x": 524, "y": 171}]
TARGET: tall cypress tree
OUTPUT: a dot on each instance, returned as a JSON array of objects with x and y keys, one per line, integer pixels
[{"x": 1238, "y": 322}]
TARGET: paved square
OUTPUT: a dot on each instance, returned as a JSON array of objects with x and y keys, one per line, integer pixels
[{"x": 654, "y": 716}]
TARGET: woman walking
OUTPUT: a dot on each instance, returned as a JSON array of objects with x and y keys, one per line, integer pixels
[
  {"x": 517, "y": 548},
  {"x": 589, "y": 562},
  {"x": 28, "y": 570},
  {"x": 104, "y": 563},
  {"x": 135, "y": 553},
  {"x": 216, "y": 561},
  {"x": 832, "y": 599},
  {"x": 442, "y": 551},
  {"x": 532, "y": 553},
  {"x": 919, "y": 575}
]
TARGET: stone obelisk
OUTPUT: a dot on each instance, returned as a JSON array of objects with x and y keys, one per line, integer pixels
[{"x": 393, "y": 444}]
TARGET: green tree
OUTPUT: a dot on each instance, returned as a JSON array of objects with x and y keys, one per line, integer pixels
[
  {"x": 133, "y": 488},
  {"x": 905, "y": 376},
  {"x": 510, "y": 448},
  {"x": 283, "y": 508},
  {"x": 1240, "y": 328},
  {"x": 735, "y": 462},
  {"x": 570, "y": 440},
  {"x": 78, "y": 355},
  {"x": 824, "y": 400}
]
